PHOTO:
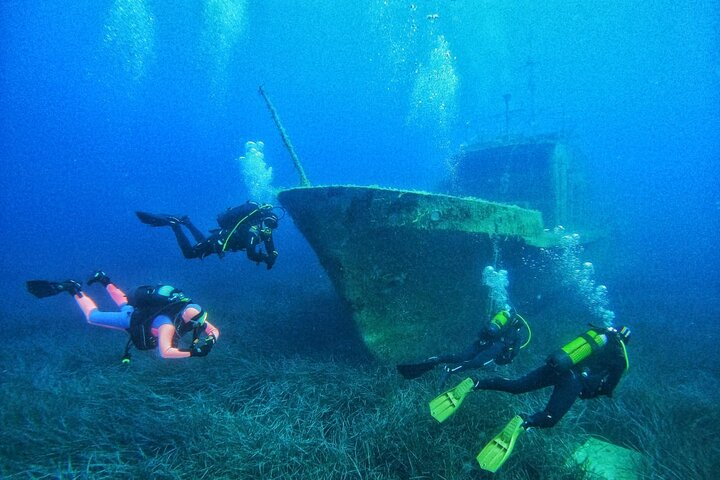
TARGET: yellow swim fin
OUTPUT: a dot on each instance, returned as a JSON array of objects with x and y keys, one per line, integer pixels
[
  {"x": 497, "y": 451},
  {"x": 444, "y": 405}
]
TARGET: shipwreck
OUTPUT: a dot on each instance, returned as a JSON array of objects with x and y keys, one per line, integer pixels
[{"x": 408, "y": 264}]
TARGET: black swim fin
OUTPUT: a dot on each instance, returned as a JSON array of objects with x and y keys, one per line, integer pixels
[
  {"x": 43, "y": 288},
  {"x": 414, "y": 370},
  {"x": 160, "y": 219}
]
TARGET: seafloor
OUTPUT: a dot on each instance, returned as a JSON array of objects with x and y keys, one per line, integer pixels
[{"x": 289, "y": 392}]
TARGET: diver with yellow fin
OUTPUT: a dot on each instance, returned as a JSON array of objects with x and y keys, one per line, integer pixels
[
  {"x": 499, "y": 341},
  {"x": 588, "y": 367}
]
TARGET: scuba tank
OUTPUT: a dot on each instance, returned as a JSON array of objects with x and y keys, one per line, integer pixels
[
  {"x": 153, "y": 297},
  {"x": 498, "y": 322},
  {"x": 578, "y": 350}
]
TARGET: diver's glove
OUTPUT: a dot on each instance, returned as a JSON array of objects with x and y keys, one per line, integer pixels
[
  {"x": 99, "y": 277},
  {"x": 202, "y": 348}
]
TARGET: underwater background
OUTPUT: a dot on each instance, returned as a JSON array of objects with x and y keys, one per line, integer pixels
[{"x": 107, "y": 107}]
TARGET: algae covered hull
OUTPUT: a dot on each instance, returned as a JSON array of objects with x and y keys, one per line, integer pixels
[{"x": 409, "y": 264}]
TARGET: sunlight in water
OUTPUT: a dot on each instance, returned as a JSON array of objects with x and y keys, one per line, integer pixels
[
  {"x": 224, "y": 23},
  {"x": 129, "y": 34},
  {"x": 396, "y": 25},
  {"x": 434, "y": 94}
]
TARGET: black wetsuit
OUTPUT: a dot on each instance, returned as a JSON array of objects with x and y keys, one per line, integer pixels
[
  {"x": 500, "y": 347},
  {"x": 248, "y": 235},
  {"x": 597, "y": 375}
]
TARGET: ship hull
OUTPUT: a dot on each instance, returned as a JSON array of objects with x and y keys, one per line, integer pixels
[{"x": 409, "y": 264}]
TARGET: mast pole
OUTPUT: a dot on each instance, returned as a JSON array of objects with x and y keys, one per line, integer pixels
[{"x": 304, "y": 182}]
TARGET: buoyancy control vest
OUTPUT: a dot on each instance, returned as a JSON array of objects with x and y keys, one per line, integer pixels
[
  {"x": 150, "y": 301},
  {"x": 249, "y": 213}
]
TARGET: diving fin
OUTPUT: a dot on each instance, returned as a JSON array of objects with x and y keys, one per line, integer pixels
[
  {"x": 414, "y": 370},
  {"x": 498, "y": 450},
  {"x": 160, "y": 219},
  {"x": 444, "y": 405},
  {"x": 43, "y": 288}
]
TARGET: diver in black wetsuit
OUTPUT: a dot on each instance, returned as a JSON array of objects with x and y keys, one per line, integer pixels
[
  {"x": 588, "y": 367},
  {"x": 499, "y": 341},
  {"x": 248, "y": 227}
]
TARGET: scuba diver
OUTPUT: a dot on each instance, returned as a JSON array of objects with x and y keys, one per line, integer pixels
[
  {"x": 499, "y": 341},
  {"x": 154, "y": 316},
  {"x": 588, "y": 367},
  {"x": 246, "y": 227}
]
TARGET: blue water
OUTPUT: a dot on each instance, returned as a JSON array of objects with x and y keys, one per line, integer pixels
[{"x": 108, "y": 107}]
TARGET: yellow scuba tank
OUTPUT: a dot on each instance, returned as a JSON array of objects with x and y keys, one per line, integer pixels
[
  {"x": 498, "y": 322},
  {"x": 578, "y": 350}
]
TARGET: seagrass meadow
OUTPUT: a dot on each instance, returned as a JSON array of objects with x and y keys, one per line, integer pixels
[
  {"x": 293, "y": 394},
  {"x": 426, "y": 164}
]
